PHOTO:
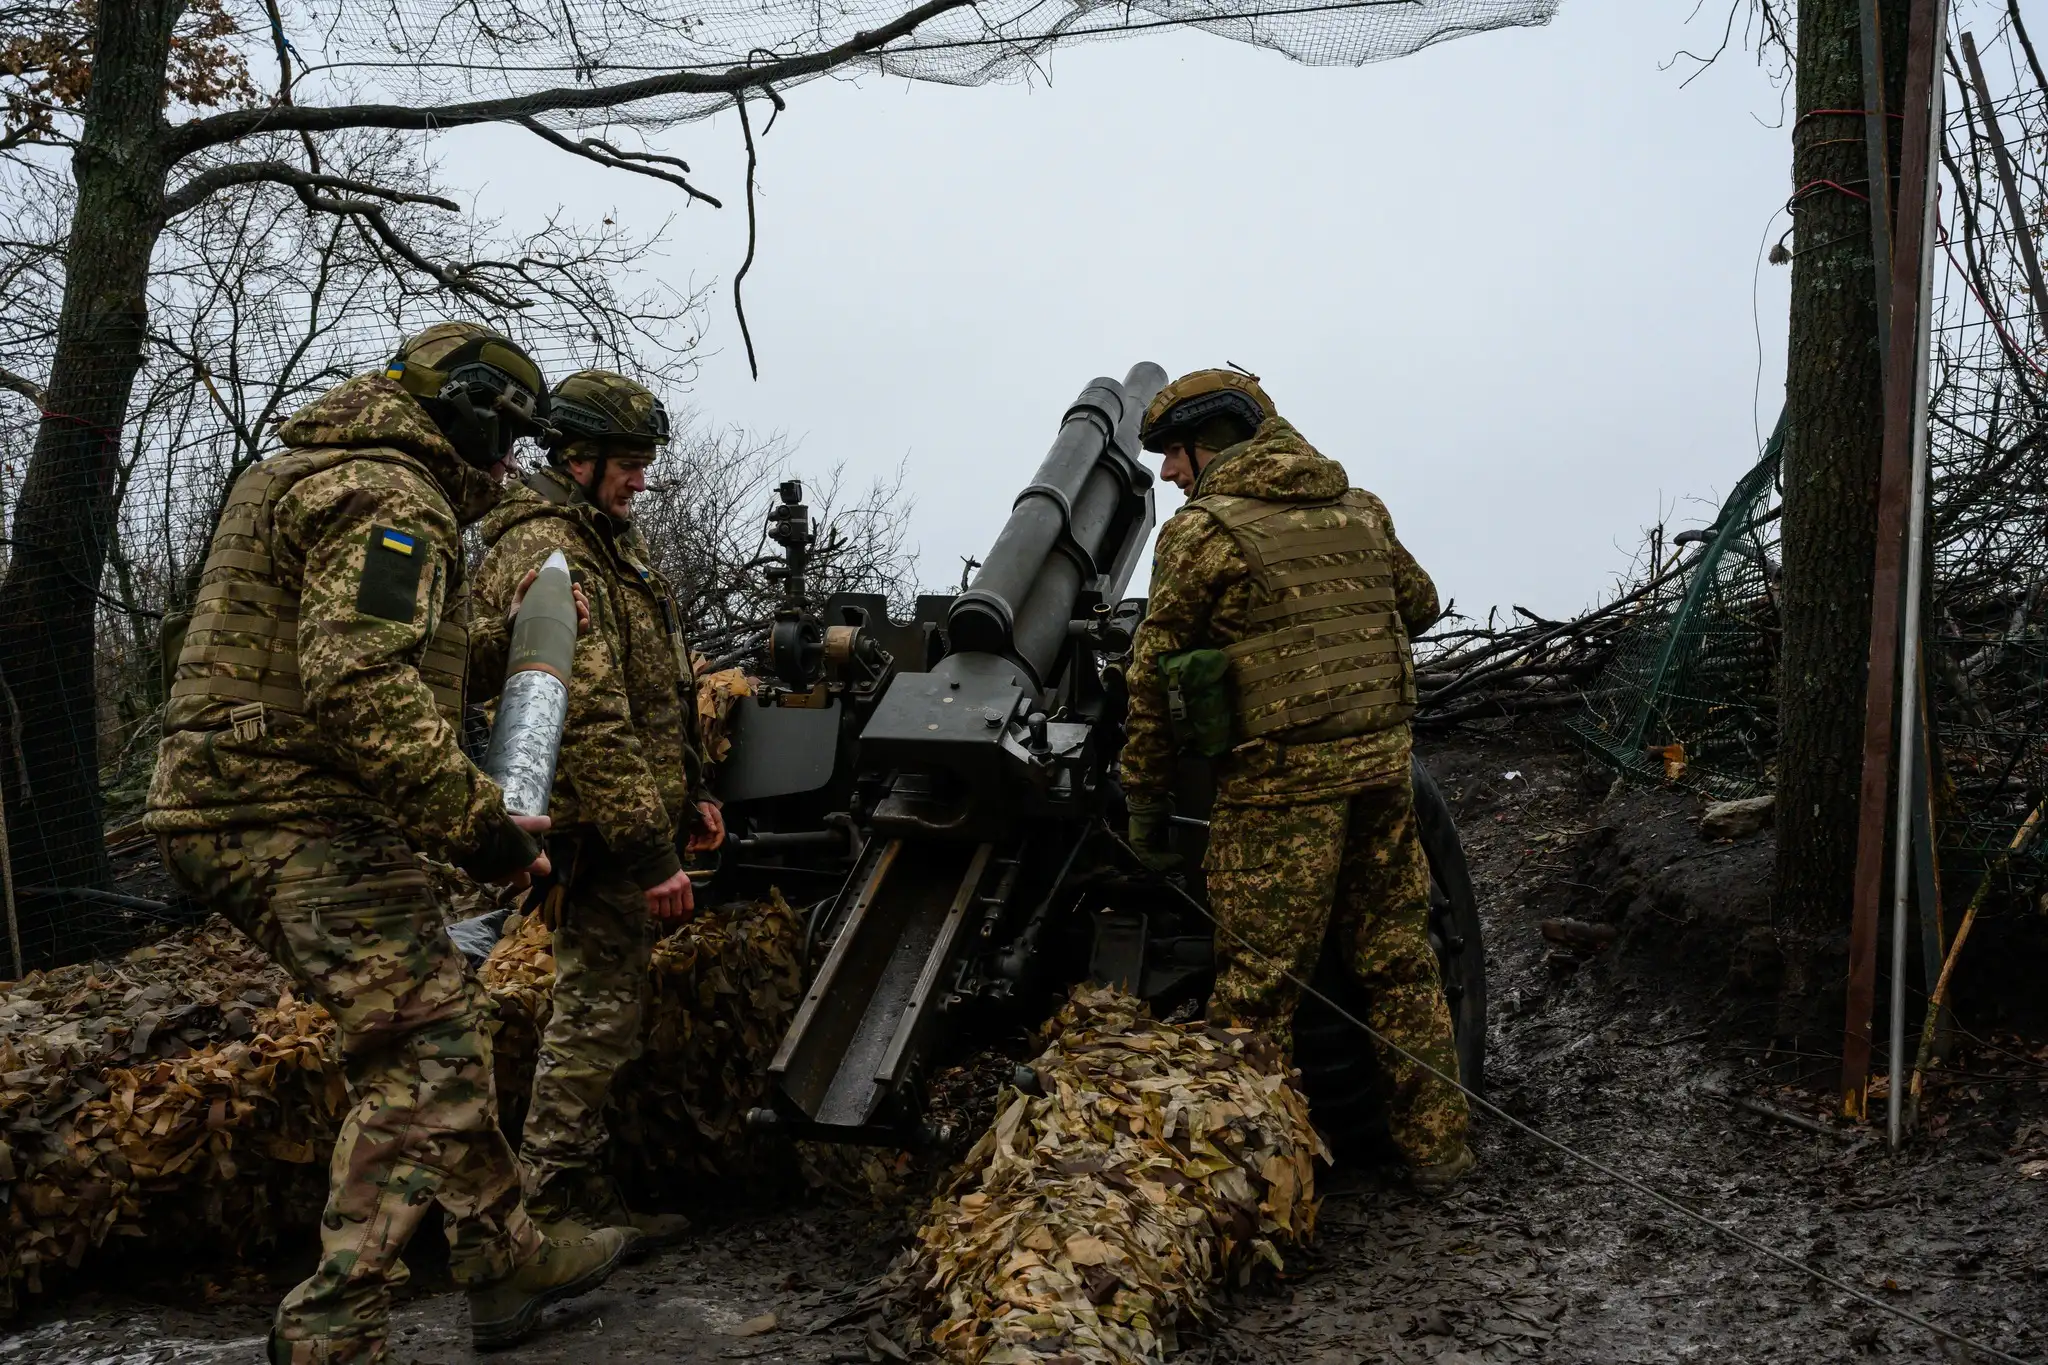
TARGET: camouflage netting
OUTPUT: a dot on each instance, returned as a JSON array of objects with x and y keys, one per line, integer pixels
[
  {"x": 437, "y": 51},
  {"x": 1093, "y": 1221},
  {"x": 723, "y": 990},
  {"x": 179, "y": 1096},
  {"x": 182, "y": 1097}
]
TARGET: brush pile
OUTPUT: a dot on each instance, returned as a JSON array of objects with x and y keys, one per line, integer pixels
[
  {"x": 1528, "y": 663},
  {"x": 1093, "y": 1221}
]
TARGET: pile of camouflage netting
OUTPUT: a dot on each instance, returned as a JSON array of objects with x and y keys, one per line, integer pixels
[
  {"x": 722, "y": 992},
  {"x": 183, "y": 1098},
  {"x": 181, "y": 1092},
  {"x": 1094, "y": 1219}
]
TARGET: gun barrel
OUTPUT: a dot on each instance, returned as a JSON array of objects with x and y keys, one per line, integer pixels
[{"x": 1082, "y": 520}]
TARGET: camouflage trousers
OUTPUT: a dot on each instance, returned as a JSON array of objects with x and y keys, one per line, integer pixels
[
  {"x": 350, "y": 914},
  {"x": 1276, "y": 875},
  {"x": 604, "y": 941}
]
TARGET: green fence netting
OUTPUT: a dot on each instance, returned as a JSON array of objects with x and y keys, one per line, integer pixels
[{"x": 1688, "y": 695}]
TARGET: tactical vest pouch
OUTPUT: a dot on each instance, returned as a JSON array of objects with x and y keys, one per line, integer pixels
[
  {"x": 170, "y": 642},
  {"x": 1198, "y": 700}
]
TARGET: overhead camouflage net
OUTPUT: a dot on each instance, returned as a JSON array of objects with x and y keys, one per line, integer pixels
[{"x": 439, "y": 51}]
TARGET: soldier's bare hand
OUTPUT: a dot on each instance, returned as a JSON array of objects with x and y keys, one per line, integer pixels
[
  {"x": 575, "y": 591},
  {"x": 519, "y": 595},
  {"x": 674, "y": 899},
  {"x": 711, "y": 833}
]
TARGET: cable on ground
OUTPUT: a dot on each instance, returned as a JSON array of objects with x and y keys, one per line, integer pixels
[{"x": 1495, "y": 1111}]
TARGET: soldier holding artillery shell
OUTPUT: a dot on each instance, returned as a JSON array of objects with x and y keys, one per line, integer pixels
[
  {"x": 629, "y": 798},
  {"x": 310, "y": 751}
]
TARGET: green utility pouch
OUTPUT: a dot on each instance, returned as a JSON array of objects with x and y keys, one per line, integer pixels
[
  {"x": 170, "y": 643},
  {"x": 1198, "y": 700}
]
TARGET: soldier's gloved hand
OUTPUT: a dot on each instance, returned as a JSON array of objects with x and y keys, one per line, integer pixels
[
  {"x": 575, "y": 590},
  {"x": 536, "y": 825},
  {"x": 710, "y": 831},
  {"x": 1150, "y": 822},
  {"x": 674, "y": 899}
]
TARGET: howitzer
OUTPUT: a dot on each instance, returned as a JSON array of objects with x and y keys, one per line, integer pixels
[{"x": 942, "y": 784}]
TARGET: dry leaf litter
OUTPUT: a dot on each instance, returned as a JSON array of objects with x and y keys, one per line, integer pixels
[
  {"x": 1094, "y": 1220},
  {"x": 717, "y": 694}
]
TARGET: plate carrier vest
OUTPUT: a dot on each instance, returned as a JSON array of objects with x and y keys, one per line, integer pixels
[
  {"x": 240, "y": 656},
  {"x": 1330, "y": 658}
]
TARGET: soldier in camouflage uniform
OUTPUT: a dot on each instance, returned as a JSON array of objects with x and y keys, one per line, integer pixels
[
  {"x": 309, "y": 752},
  {"x": 629, "y": 789},
  {"x": 1297, "y": 579}
]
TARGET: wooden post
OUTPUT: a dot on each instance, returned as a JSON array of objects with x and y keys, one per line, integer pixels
[
  {"x": 1923, "y": 38},
  {"x": 2022, "y": 238}
]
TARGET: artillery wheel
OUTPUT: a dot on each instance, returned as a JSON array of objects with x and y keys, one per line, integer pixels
[{"x": 1337, "y": 1066}]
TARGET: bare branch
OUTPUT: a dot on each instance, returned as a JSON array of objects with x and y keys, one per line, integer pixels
[
  {"x": 21, "y": 384},
  {"x": 753, "y": 364},
  {"x": 373, "y": 215},
  {"x": 610, "y": 157},
  {"x": 211, "y": 131},
  {"x": 198, "y": 188}
]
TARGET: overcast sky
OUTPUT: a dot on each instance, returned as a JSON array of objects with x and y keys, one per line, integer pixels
[{"x": 1507, "y": 282}]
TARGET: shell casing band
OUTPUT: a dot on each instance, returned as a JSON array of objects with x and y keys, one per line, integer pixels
[{"x": 527, "y": 739}]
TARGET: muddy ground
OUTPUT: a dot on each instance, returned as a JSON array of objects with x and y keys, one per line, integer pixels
[{"x": 1625, "y": 1055}]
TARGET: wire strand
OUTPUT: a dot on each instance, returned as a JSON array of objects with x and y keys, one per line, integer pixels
[{"x": 1631, "y": 1182}]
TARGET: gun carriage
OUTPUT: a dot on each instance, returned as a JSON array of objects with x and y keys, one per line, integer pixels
[{"x": 943, "y": 788}]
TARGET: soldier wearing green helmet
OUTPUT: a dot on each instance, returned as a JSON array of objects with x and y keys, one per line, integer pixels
[
  {"x": 1282, "y": 605},
  {"x": 310, "y": 751},
  {"x": 629, "y": 796}
]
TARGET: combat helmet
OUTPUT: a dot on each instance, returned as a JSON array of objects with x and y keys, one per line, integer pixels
[
  {"x": 607, "y": 408},
  {"x": 1194, "y": 400},
  {"x": 481, "y": 388}
]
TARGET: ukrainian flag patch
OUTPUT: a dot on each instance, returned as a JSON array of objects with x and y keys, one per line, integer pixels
[
  {"x": 392, "y": 568},
  {"x": 395, "y": 370}
]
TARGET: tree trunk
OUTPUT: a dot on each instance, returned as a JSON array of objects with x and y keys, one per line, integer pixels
[
  {"x": 1834, "y": 439},
  {"x": 49, "y": 763}
]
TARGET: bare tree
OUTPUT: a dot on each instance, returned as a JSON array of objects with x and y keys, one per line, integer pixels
[
  {"x": 256, "y": 305},
  {"x": 706, "y": 519}
]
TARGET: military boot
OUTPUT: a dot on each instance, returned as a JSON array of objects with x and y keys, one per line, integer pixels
[
  {"x": 578, "y": 1201},
  {"x": 1439, "y": 1177},
  {"x": 505, "y": 1313}
]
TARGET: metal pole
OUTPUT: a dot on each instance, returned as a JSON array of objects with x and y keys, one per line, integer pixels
[
  {"x": 7, "y": 886},
  {"x": 1927, "y": 862},
  {"x": 1924, "y": 31},
  {"x": 1909, "y": 642}
]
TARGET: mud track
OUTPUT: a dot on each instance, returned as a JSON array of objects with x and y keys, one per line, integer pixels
[{"x": 1620, "y": 1054}]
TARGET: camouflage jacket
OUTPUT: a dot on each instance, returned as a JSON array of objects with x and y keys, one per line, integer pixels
[
  {"x": 632, "y": 763},
  {"x": 1200, "y": 593},
  {"x": 366, "y": 738}
]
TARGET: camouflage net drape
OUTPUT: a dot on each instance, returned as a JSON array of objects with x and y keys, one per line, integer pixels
[{"x": 437, "y": 51}]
